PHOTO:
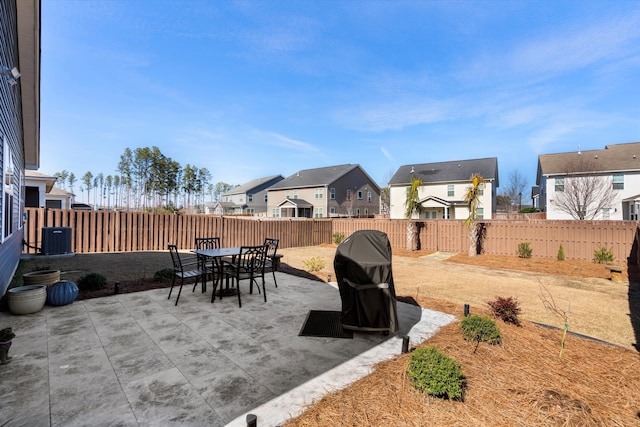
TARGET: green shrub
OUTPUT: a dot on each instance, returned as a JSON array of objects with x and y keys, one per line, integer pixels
[
  {"x": 92, "y": 282},
  {"x": 480, "y": 329},
  {"x": 164, "y": 275},
  {"x": 314, "y": 264},
  {"x": 435, "y": 373},
  {"x": 338, "y": 238},
  {"x": 529, "y": 210},
  {"x": 603, "y": 255},
  {"x": 524, "y": 250},
  {"x": 506, "y": 309},
  {"x": 560, "y": 255}
]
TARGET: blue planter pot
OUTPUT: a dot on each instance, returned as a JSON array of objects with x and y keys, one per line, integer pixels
[{"x": 62, "y": 293}]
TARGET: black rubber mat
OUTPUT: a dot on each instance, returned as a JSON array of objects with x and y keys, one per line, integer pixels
[{"x": 324, "y": 324}]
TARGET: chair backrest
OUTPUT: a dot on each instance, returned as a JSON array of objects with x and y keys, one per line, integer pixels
[
  {"x": 175, "y": 257},
  {"x": 252, "y": 258},
  {"x": 207, "y": 242},
  {"x": 272, "y": 246}
]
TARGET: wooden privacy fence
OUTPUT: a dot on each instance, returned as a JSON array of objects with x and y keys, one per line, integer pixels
[{"x": 108, "y": 231}]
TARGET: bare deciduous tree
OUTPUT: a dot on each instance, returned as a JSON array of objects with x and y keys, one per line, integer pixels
[
  {"x": 583, "y": 193},
  {"x": 513, "y": 192}
]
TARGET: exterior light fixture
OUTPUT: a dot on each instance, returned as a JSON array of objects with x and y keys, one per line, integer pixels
[{"x": 12, "y": 74}]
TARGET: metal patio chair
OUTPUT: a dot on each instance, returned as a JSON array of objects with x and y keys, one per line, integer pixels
[{"x": 186, "y": 268}]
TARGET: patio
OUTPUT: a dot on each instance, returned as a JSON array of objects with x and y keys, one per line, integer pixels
[{"x": 136, "y": 359}]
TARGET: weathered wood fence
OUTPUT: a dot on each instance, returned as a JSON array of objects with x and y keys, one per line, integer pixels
[{"x": 106, "y": 231}]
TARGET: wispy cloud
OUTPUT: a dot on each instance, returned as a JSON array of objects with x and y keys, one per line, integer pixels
[
  {"x": 289, "y": 143},
  {"x": 386, "y": 153}
]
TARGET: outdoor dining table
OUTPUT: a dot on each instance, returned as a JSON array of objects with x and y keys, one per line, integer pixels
[{"x": 220, "y": 253}]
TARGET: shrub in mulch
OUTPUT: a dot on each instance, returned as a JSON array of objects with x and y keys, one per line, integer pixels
[{"x": 522, "y": 381}]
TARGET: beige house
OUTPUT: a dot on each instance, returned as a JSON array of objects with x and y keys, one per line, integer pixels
[
  {"x": 333, "y": 191},
  {"x": 443, "y": 189},
  {"x": 605, "y": 182}
]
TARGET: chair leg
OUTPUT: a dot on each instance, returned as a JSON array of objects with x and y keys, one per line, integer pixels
[
  {"x": 173, "y": 282},
  {"x": 180, "y": 290},
  {"x": 238, "y": 291},
  {"x": 273, "y": 271}
]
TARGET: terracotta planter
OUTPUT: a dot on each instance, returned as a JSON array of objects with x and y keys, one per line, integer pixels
[
  {"x": 27, "y": 299},
  {"x": 41, "y": 277}
]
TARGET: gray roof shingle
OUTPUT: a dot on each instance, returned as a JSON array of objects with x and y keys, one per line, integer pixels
[
  {"x": 613, "y": 158},
  {"x": 314, "y": 177},
  {"x": 452, "y": 171},
  {"x": 247, "y": 187}
]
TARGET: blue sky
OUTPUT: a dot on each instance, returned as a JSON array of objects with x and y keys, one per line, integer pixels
[{"x": 250, "y": 89}]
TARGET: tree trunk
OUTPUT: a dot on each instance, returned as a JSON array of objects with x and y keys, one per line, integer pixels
[
  {"x": 473, "y": 240},
  {"x": 411, "y": 235}
]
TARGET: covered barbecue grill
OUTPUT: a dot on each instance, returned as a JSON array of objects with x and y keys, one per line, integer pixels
[{"x": 363, "y": 269}]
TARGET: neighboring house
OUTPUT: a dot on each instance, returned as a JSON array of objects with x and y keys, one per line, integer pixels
[
  {"x": 249, "y": 198},
  {"x": 40, "y": 192},
  {"x": 334, "y": 191},
  {"x": 616, "y": 167},
  {"x": 19, "y": 122},
  {"x": 444, "y": 187}
]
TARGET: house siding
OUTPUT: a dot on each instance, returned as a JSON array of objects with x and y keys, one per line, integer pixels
[
  {"x": 355, "y": 181},
  {"x": 11, "y": 134}
]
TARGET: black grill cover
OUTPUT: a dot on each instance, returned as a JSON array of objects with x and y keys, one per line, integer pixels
[{"x": 363, "y": 270}]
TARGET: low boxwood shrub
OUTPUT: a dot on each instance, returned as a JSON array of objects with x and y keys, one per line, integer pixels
[
  {"x": 506, "y": 309},
  {"x": 164, "y": 275},
  {"x": 480, "y": 329},
  {"x": 435, "y": 373},
  {"x": 560, "y": 253},
  {"x": 524, "y": 250},
  {"x": 92, "y": 282},
  {"x": 314, "y": 264},
  {"x": 603, "y": 255}
]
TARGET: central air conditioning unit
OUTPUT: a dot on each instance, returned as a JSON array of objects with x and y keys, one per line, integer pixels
[{"x": 56, "y": 240}]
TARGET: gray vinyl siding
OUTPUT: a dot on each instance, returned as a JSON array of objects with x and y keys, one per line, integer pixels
[{"x": 11, "y": 129}]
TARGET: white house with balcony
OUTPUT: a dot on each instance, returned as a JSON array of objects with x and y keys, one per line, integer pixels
[
  {"x": 613, "y": 172},
  {"x": 443, "y": 188}
]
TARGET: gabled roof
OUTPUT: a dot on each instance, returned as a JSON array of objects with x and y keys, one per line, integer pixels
[
  {"x": 32, "y": 175},
  {"x": 295, "y": 202},
  {"x": 453, "y": 171},
  {"x": 251, "y": 186},
  {"x": 442, "y": 202},
  {"x": 614, "y": 158},
  {"x": 318, "y": 177}
]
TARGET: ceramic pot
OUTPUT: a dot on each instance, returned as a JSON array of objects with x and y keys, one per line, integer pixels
[
  {"x": 62, "y": 293},
  {"x": 41, "y": 277},
  {"x": 27, "y": 299}
]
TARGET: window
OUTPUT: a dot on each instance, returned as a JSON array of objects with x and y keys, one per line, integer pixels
[
  {"x": 332, "y": 193},
  {"x": 606, "y": 213},
  {"x": 275, "y": 212},
  {"x": 250, "y": 197},
  {"x": 618, "y": 181},
  {"x": 7, "y": 192},
  {"x": 481, "y": 189},
  {"x": 358, "y": 212},
  {"x": 251, "y": 211},
  {"x": 318, "y": 213},
  {"x": 348, "y": 194},
  {"x": 450, "y": 192},
  {"x": 559, "y": 184},
  {"x": 633, "y": 212},
  {"x": 368, "y": 196},
  {"x": 332, "y": 210},
  {"x": 480, "y": 213},
  {"x": 319, "y": 193},
  {"x": 366, "y": 212},
  {"x": 295, "y": 194},
  {"x": 265, "y": 197},
  {"x": 359, "y": 195},
  {"x": 288, "y": 194}
]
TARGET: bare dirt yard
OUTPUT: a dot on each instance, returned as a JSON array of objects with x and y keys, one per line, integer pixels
[{"x": 522, "y": 381}]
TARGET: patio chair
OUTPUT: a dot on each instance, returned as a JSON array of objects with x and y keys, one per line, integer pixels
[
  {"x": 272, "y": 260},
  {"x": 248, "y": 265},
  {"x": 214, "y": 269},
  {"x": 186, "y": 268}
]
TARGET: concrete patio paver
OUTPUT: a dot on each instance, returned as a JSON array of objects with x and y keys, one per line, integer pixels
[{"x": 136, "y": 359}]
